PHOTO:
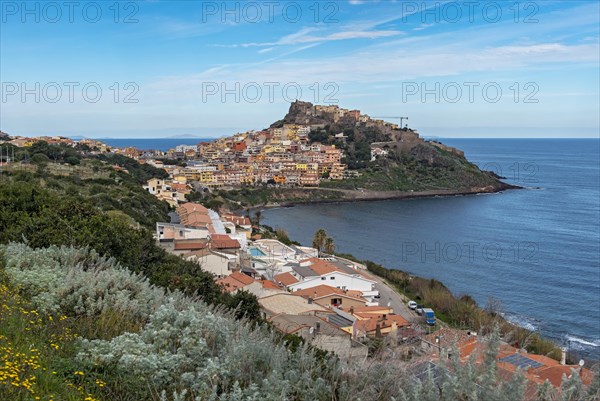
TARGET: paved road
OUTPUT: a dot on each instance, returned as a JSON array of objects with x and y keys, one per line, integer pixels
[{"x": 389, "y": 297}]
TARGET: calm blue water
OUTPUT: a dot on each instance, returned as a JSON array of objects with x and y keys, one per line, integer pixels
[
  {"x": 536, "y": 250},
  {"x": 163, "y": 144},
  {"x": 256, "y": 252}
]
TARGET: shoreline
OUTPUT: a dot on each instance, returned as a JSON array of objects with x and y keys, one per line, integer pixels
[
  {"x": 374, "y": 196},
  {"x": 548, "y": 345}
]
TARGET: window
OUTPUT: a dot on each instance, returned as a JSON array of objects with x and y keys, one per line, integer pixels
[
  {"x": 323, "y": 278},
  {"x": 332, "y": 278}
]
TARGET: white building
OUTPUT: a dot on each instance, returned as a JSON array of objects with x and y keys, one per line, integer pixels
[
  {"x": 342, "y": 281},
  {"x": 172, "y": 232},
  {"x": 185, "y": 148}
]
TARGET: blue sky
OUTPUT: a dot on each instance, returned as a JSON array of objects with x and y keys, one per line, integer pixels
[{"x": 456, "y": 68}]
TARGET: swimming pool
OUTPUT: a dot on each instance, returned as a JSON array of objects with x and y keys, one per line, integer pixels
[{"x": 256, "y": 252}]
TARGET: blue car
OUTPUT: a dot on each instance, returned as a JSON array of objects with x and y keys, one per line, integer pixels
[{"x": 429, "y": 316}]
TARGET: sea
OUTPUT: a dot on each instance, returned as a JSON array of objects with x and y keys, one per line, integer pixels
[
  {"x": 534, "y": 251},
  {"x": 162, "y": 144}
]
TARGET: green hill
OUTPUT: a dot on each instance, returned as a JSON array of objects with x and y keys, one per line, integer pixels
[{"x": 407, "y": 162}]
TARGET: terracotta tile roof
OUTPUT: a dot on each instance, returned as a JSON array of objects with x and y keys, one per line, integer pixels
[
  {"x": 370, "y": 325},
  {"x": 180, "y": 187},
  {"x": 550, "y": 370},
  {"x": 195, "y": 220},
  {"x": 318, "y": 291},
  {"x": 190, "y": 207},
  {"x": 269, "y": 284},
  {"x": 237, "y": 220},
  {"x": 223, "y": 241},
  {"x": 448, "y": 337},
  {"x": 322, "y": 291},
  {"x": 507, "y": 374},
  {"x": 286, "y": 278},
  {"x": 183, "y": 245},
  {"x": 554, "y": 374},
  {"x": 235, "y": 281},
  {"x": 320, "y": 266},
  {"x": 193, "y": 214},
  {"x": 243, "y": 278}
]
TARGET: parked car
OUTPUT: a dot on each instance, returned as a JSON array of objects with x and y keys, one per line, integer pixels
[
  {"x": 429, "y": 316},
  {"x": 419, "y": 309},
  {"x": 412, "y": 305}
]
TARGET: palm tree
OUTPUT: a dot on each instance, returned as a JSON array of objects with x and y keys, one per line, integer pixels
[
  {"x": 257, "y": 216},
  {"x": 329, "y": 246},
  {"x": 319, "y": 239}
]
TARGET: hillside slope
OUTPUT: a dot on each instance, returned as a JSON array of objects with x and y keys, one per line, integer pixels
[{"x": 406, "y": 162}]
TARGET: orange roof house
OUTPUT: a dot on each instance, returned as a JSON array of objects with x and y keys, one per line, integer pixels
[
  {"x": 539, "y": 367},
  {"x": 318, "y": 291},
  {"x": 237, "y": 220},
  {"x": 223, "y": 241},
  {"x": 269, "y": 284},
  {"x": 235, "y": 281},
  {"x": 381, "y": 324},
  {"x": 285, "y": 278},
  {"x": 328, "y": 296},
  {"x": 194, "y": 215},
  {"x": 319, "y": 266},
  {"x": 181, "y": 187}
]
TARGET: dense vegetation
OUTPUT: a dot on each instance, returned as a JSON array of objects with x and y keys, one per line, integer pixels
[
  {"x": 408, "y": 173},
  {"x": 357, "y": 143},
  {"x": 42, "y": 152},
  {"x": 77, "y": 326},
  {"x": 43, "y": 209},
  {"x": 246, "y": 197}
]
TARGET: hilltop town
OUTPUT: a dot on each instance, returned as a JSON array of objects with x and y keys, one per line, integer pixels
[{"x": 320, "y": 151}]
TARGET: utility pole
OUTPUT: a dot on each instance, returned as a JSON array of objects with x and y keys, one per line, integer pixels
[
  {"x": 396, "y": 117},
  {"x": 402, "y": 119}
]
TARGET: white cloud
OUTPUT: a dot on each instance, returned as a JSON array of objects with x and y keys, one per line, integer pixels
[
  {"x": 392, "y": 65},
  {"x": 305, "y": 36}
]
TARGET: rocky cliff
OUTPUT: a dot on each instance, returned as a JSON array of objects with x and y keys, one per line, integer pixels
[{"x": 389, "y": 157}]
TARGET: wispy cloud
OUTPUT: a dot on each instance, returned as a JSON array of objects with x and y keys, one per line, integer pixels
[
  {"x": 309, "y": 35},
  {"x": 423, "y": 27}
]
